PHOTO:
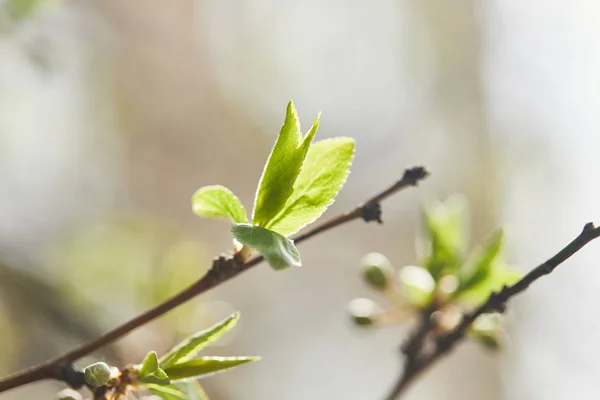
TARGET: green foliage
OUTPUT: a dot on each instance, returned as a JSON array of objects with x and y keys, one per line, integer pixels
[
  {"x": 190, "y": 347},
  {"x": 205, "y": 366},
  {"x": 445, "y": 280},
  {"x": 445, "y": 225},
  {"x": 298, "y": 183},
  {"x": 283, "y": 166},
  {"x": 482, "y": 273},
  {"x": 479, "y": 268},
  {"x": 172, "y": 377},
  {"x": 277, "y": 250},
  {"x": 150, "y": 371},
  {"x": 499, "y": 276},
  {"x": 218, "y": 202},
  {"x": 188, "y": 390},
  {"x": 322, "y": 176}
]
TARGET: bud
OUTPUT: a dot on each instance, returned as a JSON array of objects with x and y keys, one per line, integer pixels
[
  {"x": 417, "y": 284},
  {"x": 377, "y": 270},
  {"x": 97, "y": 374},
  {"x": 489, "y": 342},
  {"x": 363, "y": 312},
  {"x": 487, "y": 330},
  {"x": 69, "y": 394}
]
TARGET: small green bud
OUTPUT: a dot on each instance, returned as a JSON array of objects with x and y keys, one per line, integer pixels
[
  {"x": 363, "y": 311},
  {"x": 489, "y": 342},
  {"x": 377, "y": 270},
  {"x": 69, "y": 394},
  {"x": 97, "y": 374},
  {"x": 416, "y": 284}
]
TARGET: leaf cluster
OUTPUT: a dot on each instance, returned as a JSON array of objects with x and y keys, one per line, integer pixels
[{"x": 301, "y": 178}]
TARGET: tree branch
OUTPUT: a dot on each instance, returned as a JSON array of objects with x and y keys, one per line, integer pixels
[
  {"x": 224, "y": 267},
  {"x": 421, "y": 360}
]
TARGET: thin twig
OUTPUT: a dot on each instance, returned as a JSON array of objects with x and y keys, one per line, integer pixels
[
  {"x": 496, "y": 302},
  {"x": 223, "y": 268}
]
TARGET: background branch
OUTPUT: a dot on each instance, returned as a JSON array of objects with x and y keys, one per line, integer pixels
[
  {"x": 418, "y": 359},
  {"x": 224, "y": 267}
]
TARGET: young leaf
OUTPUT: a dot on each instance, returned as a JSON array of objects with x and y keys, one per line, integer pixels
[
  {"x": 190, "y": 347},
  {"x": 150, "y": 364},
  {"x": 278, "y": 250},
  {"x": 218, "y": 202},
  {"x": 158, "y": 377},
  {"x": 193, "y": 390},
  {"x": 170, "y": 392},
  {"x": 187, "y": 390},
  {"x": 205, "y": 366},
  {"x": 323, "y": 174},
  {"x": 282, "y": 168},
  {"x": 498, "y": 276},
  {"x": 150, "y": 372},
  {"x": 446, "y": 229},
  {"x": 477, "y": 270}
]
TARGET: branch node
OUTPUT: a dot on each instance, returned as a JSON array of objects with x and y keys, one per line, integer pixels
[
  {"x": 372, "y": 212},
  {"x": 415, "y": 174},
  {"x": 71, "y": 376}
]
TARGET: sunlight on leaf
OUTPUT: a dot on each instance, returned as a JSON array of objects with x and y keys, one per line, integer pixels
[
  {"x": 499, "y": 276},
  {"x": 478, "y": 268},
  {"x": 446, "y": 225},
  {"x": 282, "y": 168},
  {"x": 218, "y": 202},
  {"x": 278, "y": 250},
  {"x": 205, "y": 366},
  {"x": 190, "y": 347},
  {"x": 184, "y": 390},
  {"x": 150, "y": 372},
  {"x": 322, "y": 176}
]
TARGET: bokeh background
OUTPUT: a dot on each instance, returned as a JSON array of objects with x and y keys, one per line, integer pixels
[{"x": 113, "y": 112}]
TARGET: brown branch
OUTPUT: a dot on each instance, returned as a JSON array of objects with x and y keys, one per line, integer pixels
[
  {"x": 496, "y": 302},
  {"x": 223, "y": 268}
]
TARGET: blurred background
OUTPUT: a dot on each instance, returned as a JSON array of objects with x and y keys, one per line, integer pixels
[{"x": 112, "y": 113}]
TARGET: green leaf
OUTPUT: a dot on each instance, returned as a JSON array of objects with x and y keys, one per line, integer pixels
[
  {"x": 188, "y": 390},
  {"x": 499, "y": 276},
  {"x": 170, "y": 392},
  {"x": 218, "y": 202},
  {"x": 323, "y": 174},
  {"x": 478, "y": 269},
  {"x": 193, "y": 390},
  {"x": 190, "y": 347},
  {"x": 278, "y": 250},
  {"x": 150, "y": 364},
  {"x": 205, "y": 366},
  {"x": 446, "y": 230},
  {"x": 282, "y": 168},
  {"x": 150, "y": 372}
]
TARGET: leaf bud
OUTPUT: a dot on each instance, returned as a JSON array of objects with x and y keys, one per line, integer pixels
[
  {"x": 377, "y": 271},
  {"x": 363, "y": 312},
  {"x": 97, "y": 374},
  {"x": 69, "y": 394}
]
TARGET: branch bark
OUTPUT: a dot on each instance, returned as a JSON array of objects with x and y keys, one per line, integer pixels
[
  {"x": 224, "y": 267},
  {"x": 417, "y": 360}
]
